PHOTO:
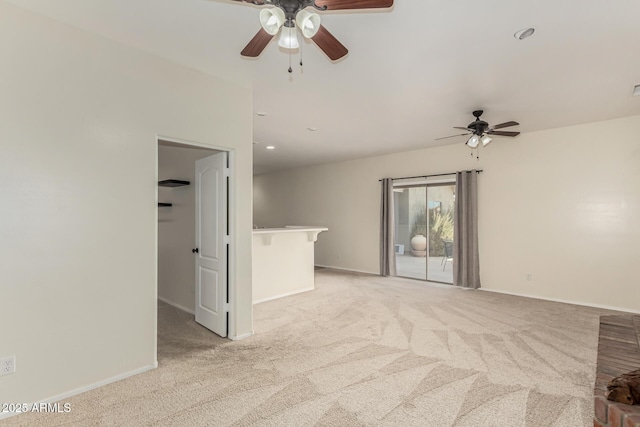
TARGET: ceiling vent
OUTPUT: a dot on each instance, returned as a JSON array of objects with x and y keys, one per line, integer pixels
[{"x": 524, "y": 33}]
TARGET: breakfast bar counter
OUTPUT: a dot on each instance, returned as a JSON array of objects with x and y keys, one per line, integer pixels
[{"x": 283, "y": 261}]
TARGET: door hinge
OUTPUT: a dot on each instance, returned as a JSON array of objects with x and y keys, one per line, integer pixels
[
  {"x": 227, "y": 240},
  {"x": 226, "y": 172},
  {"x": 225, "y": 307}
]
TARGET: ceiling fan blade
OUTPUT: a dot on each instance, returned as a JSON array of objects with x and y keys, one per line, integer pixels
[
  {"x": 353, "y": 4},
  {"x": 502, "y": 133},
  {"x": 329, "y": 44},
  {"x": 452, "y": 136},
  {"x": 505, "y": 125},
  {"x": 256, "y": 2},
  {"x": 456, "y": 127},
  {"x": 257, "y": 44}
]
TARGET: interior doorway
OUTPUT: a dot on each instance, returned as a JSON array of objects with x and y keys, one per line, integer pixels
[
  {"x": 193, "y": 232},
  {"x": 424, "y": 219}
]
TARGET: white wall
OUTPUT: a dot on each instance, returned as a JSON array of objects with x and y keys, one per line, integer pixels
[
  {"x": 79, "y": 116},
  {"x": 562, "y": 204},
  {"x": 176, "y": 226}
]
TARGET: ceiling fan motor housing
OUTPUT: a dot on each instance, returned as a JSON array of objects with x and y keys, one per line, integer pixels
[
  {"x": 479, "y": 127},
  {"x": 292, "y": 7}
]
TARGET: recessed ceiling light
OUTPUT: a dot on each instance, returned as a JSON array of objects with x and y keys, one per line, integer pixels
[
  {"x": 636, "y": 90},
  {"x": 312, "y": 129},
  {"x": 270, "y": 147},
  {"x": 261, "y": 114},
  {"x": 524, "y": 33}
]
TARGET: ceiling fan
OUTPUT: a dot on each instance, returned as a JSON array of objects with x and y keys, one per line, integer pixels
[
  {"x": 289, "y": 14},
  {"x": 480, "y": 131}
]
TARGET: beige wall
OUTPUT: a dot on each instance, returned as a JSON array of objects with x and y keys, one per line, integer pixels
[
  {"x": 176, "y": 226},
  {"x": 562, "y": 204},
  {"x": 79, "y": 116}
]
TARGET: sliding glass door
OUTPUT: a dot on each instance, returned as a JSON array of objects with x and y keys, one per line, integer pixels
[
  {"x": 440, "y": 204},
  {"x": 424, "y": 231},
  {"x": 411, "y": 231}
]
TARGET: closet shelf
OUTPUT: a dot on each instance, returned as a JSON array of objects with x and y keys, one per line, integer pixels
[{"x": 173, "y": 183}]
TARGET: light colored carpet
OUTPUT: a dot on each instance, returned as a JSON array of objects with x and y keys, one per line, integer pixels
[{"x": 363, "y": 350}]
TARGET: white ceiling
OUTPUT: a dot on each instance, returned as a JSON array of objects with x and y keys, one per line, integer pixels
[{"x": 413, "y": 71}]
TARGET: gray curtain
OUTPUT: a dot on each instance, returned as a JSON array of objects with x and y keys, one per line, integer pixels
[
  {"x": 387, "y": 225},
  {"x": 466, "y": 261}
]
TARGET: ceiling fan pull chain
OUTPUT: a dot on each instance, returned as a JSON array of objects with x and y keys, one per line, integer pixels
[
  {"x": 290, "y": 69},
  {"x": 301, "y": 54}
]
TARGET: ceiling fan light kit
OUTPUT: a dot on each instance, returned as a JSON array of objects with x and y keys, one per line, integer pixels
[
  {"x": 289, "y": 38},
  {"x": 271, "y": 20},
  {"x": 308, "y": 23}
]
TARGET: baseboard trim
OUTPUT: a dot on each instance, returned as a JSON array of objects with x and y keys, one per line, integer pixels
[
  {"x": 288, "y": 294},
  {"x": 564, "y": 301},
  {"x": 241, "y": 337},
  {"x": 347, "y": 269},
  {"x": 80, "y": 390},
  {"x": 178, "y": 306}
]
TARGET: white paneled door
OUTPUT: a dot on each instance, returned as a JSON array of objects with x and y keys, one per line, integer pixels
[{"x": 211, "y": 243}]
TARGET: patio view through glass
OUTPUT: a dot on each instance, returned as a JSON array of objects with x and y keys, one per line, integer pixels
[{"x": 424, "y": 215}]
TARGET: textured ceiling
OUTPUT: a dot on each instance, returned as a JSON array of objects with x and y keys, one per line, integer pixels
[{"x": 412, "y": 73}]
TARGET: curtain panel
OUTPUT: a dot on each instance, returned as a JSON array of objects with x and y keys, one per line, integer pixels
[
  {"x": 466, "y": 260},
  {"x": 387, "y": 225}
]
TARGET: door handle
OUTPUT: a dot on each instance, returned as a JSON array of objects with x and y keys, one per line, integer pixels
[{"x": 195, "y": 251}]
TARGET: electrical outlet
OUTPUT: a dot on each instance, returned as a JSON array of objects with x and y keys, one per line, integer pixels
[
  {"x": 529, "y": 277},
  {"x": 7, "y": 365}
]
